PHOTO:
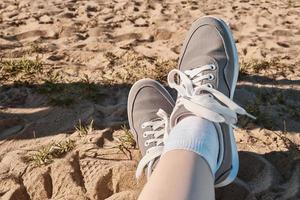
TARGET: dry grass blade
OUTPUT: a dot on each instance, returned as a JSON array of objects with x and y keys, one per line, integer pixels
[
  {"x": 125, "y": 142},
  {"x": 133, "y": 66},
  {"x": 273, "y": 67},
  {"x": 127, "y": 139},
  {"x": 46, "y": 154},
  {"x": 35, "y": 48},
  {"x": 83, "y": 130},
  {"x": 23, "y": 65}
]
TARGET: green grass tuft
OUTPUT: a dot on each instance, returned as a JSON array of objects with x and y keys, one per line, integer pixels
[
  {"x": 133, "y": 67},
  {"x": 46, "y": 154},
  {"x": 273, "y": 67},
  {"x": 84, "y": 130},
  {"x": 256, "y": 65},
  {"x": 24, "y": 67},
  {"x": 35, "y": 48},
  {"x": 125, "y": 142},
  {"x": 127, "y": 138}
]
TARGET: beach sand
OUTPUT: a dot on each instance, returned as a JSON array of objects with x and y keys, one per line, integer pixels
[{"x": 75, "y": 60}]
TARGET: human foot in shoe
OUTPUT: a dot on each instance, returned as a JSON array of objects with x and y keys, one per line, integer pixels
[
  {"x": 205, "y": 82},
  {"x": 149, "y": 108}
]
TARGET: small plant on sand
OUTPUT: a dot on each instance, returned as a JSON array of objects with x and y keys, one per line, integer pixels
[
  {"x": 112, "y": 58},
  {"x": 243, "y": 70},
  {"x": 291, "y": 3},
  {"x": 84, "y": 130},
  {"x": 35, "y": 48},
  {"x": 271, "y": 67},
  {"x": 256, "y": 65},
  {"x": 133, "y": 66},
  {"x": 125, "y": 142},
  {"x": 127, "y": 138},
  {"x": 162, "y": 69},
  {"x": 262, "y": 118},
  {"x": 23, "y": 67},
  {"x": 46, "y": 154},
  {"x": 88, "y": 89}
]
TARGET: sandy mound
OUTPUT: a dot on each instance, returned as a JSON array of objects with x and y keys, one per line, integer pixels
[{"x": 65, "y": 61}]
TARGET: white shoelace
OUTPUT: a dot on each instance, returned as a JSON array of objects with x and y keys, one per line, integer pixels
[
  {"x": 202, "y": 99},
  {"x": 158, "y": 134}
]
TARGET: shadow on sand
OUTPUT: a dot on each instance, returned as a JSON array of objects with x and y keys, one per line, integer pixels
[
  {"x": 33, "y": 111},
  {"x": 28, "y": 111}
]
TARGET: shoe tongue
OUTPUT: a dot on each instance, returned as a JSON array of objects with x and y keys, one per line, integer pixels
[
  {"x": 150, "y": 117},
  {"x": 197, "y": 61},
  {"x": 179, "y": 113}
]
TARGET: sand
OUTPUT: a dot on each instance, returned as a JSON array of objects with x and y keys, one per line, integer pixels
[{"x": 91, "y": 53}]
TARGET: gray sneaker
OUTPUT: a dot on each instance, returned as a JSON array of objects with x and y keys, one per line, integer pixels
[
  {"x": 205, "y": 82},
  {"x": 149, "y": 107}
]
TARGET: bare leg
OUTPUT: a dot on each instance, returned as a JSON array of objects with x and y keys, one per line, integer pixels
[{"x": 180, "y": 175}]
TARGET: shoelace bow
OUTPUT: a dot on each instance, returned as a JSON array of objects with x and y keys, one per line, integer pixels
[
  {"x": 158, "y": 134},
  {"x": 202, "y": 99}
]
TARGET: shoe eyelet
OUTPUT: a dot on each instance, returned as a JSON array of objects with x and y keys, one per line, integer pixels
[
  {"x": 211, "y": 77},
  {"x": 143, "y": 126},
  {"x": 210, "y": 85},
  {"x": 144, "y": 135},
  {"x": 146, "y": 143},
  {"x": 213, "y": 67}
]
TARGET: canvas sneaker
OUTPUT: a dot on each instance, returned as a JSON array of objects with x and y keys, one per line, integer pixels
[
  {"x": 205, "y": 81},
  {"x": 149, "y": 108}
]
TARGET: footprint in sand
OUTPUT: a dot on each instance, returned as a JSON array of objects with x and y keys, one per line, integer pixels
[
  {"x": 47, "y": 34},
  {"x": 141, "y": 22},
  {"x": 45, "y": 19}
]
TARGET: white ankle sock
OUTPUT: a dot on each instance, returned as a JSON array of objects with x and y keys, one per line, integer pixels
[{"x": 197, "y": 135}]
